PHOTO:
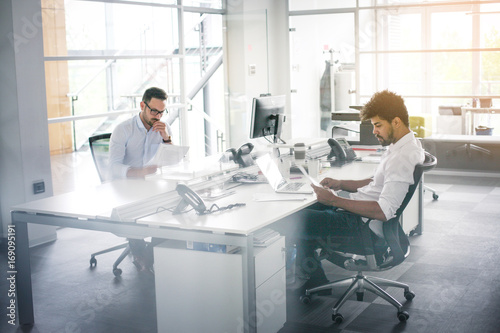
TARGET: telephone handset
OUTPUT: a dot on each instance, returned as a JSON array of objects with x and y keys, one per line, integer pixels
[
  {"x": 341, "y": 150},
  {"x": 242, "y": 155},
  {"x": 189, "y": 198}
]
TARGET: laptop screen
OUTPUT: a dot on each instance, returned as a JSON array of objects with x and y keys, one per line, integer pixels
[{"x": 271, "y": 171}]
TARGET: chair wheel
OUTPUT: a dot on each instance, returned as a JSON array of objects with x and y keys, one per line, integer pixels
[
  {"x": 409, "y": 295},
  {"x": 337, "y": 318},
  {"x": 403, "y": 316},
  {"x": 306, "y": 299},
  {"x": 435, "y": 196},
  {"x": 93, "y": 262},
  {"x": 117, "y": 271}
]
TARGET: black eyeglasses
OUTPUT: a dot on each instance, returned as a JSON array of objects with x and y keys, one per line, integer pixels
[{"x": 156, "y": 112}]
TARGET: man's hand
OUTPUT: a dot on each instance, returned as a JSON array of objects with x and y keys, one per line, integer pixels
[
  {"x": 141, "y": 172},
  {"x": 334, "y": 184},
  {"x": 161, "y": 127},
  {"x": 324, "y": 195}
]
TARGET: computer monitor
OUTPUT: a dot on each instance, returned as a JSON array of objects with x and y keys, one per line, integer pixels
[{"x": 268, "y": 115}]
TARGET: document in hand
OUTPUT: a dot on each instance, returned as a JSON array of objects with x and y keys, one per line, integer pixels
[{"x": 169, "y": 155}]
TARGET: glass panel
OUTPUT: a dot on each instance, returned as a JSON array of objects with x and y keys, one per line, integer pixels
[
  {"x": 369, "y": 30},
  {"x": 490, "y": 25},
  {"x": 413, "y": 105},
  {"x": 400, "y": 2},
  {"x": 162, "y": 2},
  {"x": 451, "y": 30},
  {"x": 315, "y": 46},
  {"x": 96, "y": 86},
  {"x": 93, "y": 28},
  {"x": 203, "y": 40},
  {"x": 451, "y": 73},
  {"x": 367, "y": 72},
  {"x": 399, "y": 31},
  {"x": 401, "y": 73},
  {"x": 215, "y": 4},
  {"x": 490, "y": 71},
  {"x": 320, "y": 4}
]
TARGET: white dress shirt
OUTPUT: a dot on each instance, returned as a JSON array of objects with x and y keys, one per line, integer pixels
[
  {"x": 392, "y": 178},
  {"x": 131, "y": 145}
]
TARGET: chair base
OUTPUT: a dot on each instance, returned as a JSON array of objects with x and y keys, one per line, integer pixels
[
  {"x": 468, "y": 148},
  {"x": 435, "y": 196},
  {"x": 116, "y": 271},
  {"x": 359, "y": 283}
]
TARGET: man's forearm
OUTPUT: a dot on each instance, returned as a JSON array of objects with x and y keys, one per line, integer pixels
[
  {"x": 353, "y": 185},
  {"x": 370, "y": 209}
]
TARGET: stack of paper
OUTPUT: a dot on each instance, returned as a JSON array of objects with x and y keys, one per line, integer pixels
[{"x": 265, "y": 237}]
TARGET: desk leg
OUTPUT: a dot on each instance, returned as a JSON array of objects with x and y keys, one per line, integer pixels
[
  {"x": 420, "y": 193},
  {"x": 249, "y": 294},
  {"x": 23, "y": 275}
]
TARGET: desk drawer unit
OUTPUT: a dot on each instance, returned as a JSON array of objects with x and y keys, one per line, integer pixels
[
  {"x": 199, "y": 291},
  {"x": 270, "y": 282}
]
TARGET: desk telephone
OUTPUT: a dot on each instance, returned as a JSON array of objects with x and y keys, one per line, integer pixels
[
  {"x": 242, "y": 155},
  {"x": 341, "y": 150},
  {"x": 191, "y": 198}
]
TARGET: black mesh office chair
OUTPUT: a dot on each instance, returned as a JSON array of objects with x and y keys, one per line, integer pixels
[
  {"x": 99, "y": 147},
  {"x": 373, "y": 255}
]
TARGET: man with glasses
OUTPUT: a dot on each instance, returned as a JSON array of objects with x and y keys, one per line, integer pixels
[
  {"x": 132, "y": 145},
  {"x": 135, "y": 141}
]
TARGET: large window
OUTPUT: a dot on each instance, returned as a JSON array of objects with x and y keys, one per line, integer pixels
[
  {"x": 432, "y": 52},
  {"x": 100, "y": 56}
]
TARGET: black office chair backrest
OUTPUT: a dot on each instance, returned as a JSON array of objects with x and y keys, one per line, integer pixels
[
  {"x": 393, "y": 232},
  {"x": 429, "y": 163},
  {"x": 99, "y": 147}
]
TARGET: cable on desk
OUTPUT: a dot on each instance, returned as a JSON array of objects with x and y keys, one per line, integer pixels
[{"x": 214, "y": 208}]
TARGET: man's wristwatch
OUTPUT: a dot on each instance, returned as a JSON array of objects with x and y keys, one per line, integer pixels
[{"x": 169, "y": 140}]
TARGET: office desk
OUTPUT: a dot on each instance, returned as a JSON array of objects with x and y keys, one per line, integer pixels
[
  {"x": 105, "y": 207},
  {"x": 468, "y": 127}
]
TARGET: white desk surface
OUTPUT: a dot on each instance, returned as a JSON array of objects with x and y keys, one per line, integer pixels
[
  {"x": 100, "y": 201},
  {"x": 186, "y": 171},
  {"x": 464, "y": 138},
  {"x": 256, "y": 214}
]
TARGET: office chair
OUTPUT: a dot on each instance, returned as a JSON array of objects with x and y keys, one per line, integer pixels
[
  {"x": 378, "y": 255},
  {"x": 467, "y": 147},
  {"x": 99, "y": 148}
]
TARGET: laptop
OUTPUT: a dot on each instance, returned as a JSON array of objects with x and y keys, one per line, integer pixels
[{"x": 279, "y": 183}]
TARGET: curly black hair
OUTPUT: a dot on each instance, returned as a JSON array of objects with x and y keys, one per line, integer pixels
[{"x": 386, "y": 105}]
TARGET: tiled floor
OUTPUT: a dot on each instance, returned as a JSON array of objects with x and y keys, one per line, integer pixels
[{"x": 453, "y": 269}]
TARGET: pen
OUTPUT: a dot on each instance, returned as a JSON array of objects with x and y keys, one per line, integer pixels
[{"x": 295, "y": 177}]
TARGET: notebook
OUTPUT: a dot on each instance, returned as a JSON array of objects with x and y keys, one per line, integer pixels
[{"x": 279, "y": 183}]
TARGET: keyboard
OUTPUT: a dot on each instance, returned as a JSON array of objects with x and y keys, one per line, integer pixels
[{"x": 292, "y": 187}]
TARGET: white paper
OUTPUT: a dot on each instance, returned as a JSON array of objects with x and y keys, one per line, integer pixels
[
  {"x": 168, "y": 154},
  {"x": 311, "y": 179}
]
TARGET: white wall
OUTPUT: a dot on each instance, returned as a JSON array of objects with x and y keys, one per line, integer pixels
[
  {"x": 24, "y": 141},
  {"x": 247, "y": 44}
]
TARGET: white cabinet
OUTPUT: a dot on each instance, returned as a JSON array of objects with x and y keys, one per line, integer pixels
[
  {"x": 199, "y": 291},
  {"x": 270, "y": 283}
]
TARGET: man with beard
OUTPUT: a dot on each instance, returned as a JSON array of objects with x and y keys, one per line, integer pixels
[
  {"x": 132, "y": 145},
  {"x": 135, "y": 141},
  {"x": 376, "y": 198}
]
